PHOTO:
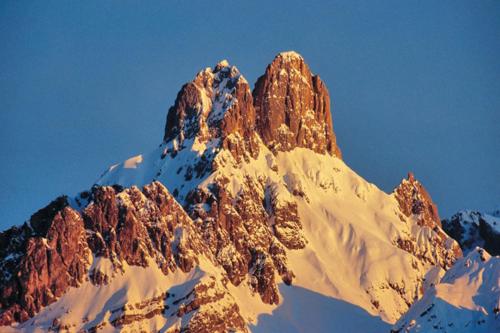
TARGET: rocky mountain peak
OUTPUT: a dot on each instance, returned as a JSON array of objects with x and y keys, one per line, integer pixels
[
  {"x": 218, "y": 101},
  {"x": 416, "y": 204},
  {"x": 216, "y": 110},
  {"x": 293, "y": 107},
  {"x": 214, "y": 227},
  {"x": 414, "y": 200},
  {"x": 222, "y": 64},
  {"x": 289, "y": 107}
]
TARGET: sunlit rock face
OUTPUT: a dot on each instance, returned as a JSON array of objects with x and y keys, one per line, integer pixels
[
  {"x": 41, "y": 260},
  {"x": 293, "y": 107},
  {"x": 414, "y": 199},
  {"x": 53, "y": 252},
  {"x": 215, "y": 108},
  {"x": 415, "y": 203},
  {"x": 245, "y": 208}
]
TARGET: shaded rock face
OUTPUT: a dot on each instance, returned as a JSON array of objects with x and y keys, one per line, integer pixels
[
  {"x": 473, "y": 229},
  {"x": 293, "y": 107},
  {"x": 415, "y": 202},
  {"x": 42, "y": 259}
]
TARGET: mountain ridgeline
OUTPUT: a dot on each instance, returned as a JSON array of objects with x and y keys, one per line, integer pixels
[{"x": 245, "y": 209}]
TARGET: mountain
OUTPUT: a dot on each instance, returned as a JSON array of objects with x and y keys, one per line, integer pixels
[
  {"x": 467, "y": 299},
  {"x": 475, "y": 229},
  {"x": 244, "y": 218}
]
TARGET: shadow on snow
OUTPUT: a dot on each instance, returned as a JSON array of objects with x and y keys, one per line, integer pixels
[{"x": 303, "y": 310}]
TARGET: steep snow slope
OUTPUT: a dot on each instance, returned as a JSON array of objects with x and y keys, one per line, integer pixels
[
  {"x": 351, "y": 227},
  {"x": 260, "y": 218},
  {"x": 142, "y": 300},
  {"x": 467, "y": 300}
]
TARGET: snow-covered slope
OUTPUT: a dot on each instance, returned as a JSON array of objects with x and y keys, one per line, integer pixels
[
  {"x": 351, "y": 227},
  {"x": 351, "y": 263},
  {"x": 466, "y": 300},
  {"x": 472, "y": 229},
  {"x": 248, "y": 219}
]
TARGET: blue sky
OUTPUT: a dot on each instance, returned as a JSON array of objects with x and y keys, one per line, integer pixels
[{"x": 414, "y": 86}]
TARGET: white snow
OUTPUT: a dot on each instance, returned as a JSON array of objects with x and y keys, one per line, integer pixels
[
  {"x": 290, "y": 55},
  {"x": 463, "y": 302},
  {"x": 223, "y": 63},
  {"x": 351, "y": 225},
  {"x": 347, "y": 277},
  {"x": 469, "y": 216},
  {"x": 132, "y": 162}
]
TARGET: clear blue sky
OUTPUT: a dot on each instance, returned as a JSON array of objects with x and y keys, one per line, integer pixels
[{"x": 415, "y": 86}]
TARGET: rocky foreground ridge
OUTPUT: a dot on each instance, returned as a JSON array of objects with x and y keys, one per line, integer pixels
[{"x": 247, "y": 194}]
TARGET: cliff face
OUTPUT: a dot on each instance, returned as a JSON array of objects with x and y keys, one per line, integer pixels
[
  {"x": 216, "y": 108},
  {"x": 293, "y": 107},
  {"x": 40, "y": 260},
  {"x": 290, "y": 107},
  {"x": 246, "y": 194}
]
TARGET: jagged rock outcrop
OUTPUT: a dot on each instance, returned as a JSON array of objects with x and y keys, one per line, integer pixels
[
  {"x": 414, "y": 200},
  {"x": 201, "y": 299},
  {"x": 472, "y": 229},
  {"x": 41, "y": 260},
  {"x": 293, "y": 107},
  {"x": 237, "y": 229},
  {"x": 215, "y": 108},
  {"x": 206, "y": 307},
  {"x": 431, "y": 243},
  {"x": 134, "y": 227},
  {"x": 257, "y": 196}
]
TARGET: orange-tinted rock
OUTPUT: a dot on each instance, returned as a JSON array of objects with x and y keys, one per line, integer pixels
[
  {"x": 415, "y": 202},
  {"x": 52, "y": 259},
  {"x": 293, "y": 107},
  {"x": 216, "y": 105},
  {"x": 40, "y": 261},
  {"x": 414, "y": 199}
]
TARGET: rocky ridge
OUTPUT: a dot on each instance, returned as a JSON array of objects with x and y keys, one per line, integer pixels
[
  {"x": 415, "y": 202},
  {"x": 245, "y": 172},
  {"x": 475, "y": 229}
]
